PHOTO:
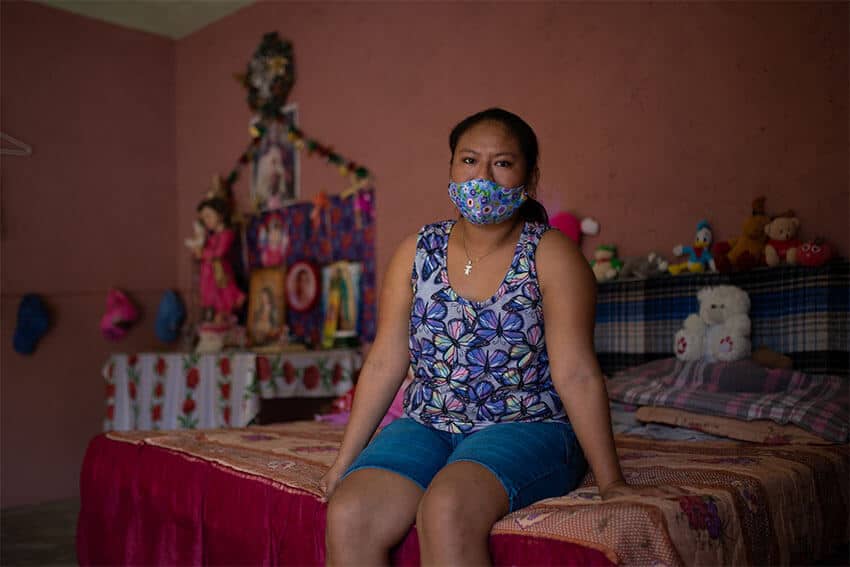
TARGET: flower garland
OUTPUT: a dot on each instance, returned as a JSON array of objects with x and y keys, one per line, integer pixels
[
  {"x": 269, "y": 78},
  {"x": 359, "y": 174}
]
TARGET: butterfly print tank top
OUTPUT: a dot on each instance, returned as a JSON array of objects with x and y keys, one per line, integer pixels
[{"x": 476, "y": 363}]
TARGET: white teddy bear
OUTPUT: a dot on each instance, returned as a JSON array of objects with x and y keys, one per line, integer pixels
[{"x": 721, "y": 330}]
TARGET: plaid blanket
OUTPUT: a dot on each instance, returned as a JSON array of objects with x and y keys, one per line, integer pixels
[
  {"x": 798, "y": 311},
  {"x": 819, "y": 404}
]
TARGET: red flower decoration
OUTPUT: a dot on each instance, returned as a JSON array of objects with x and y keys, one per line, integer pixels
[
  {"x": 192, "y": 378},
  {"x": 225, "y": 390},
  {"x": 225, "y": 413},
  {"x": 110, "y": 391},
  {"x": 325, "y": 247},
  {"x": 131, "y": 387},
  {"x": 337, "y": 375},
  {"x": 132, "y": 360},
  {"x": 311, "y": 377},
  {"x": 110, "y": 412},
  {"x": 224, "y": 366},
  {"x": 156, "y": 413},
  {"x": 288, "y": 372},
  {"x": 347, "y": 241},
  {"x": 188, "y": 406},
  {"x": 158, "y": 390},
  {"x": 264, "y": 369},
  {"x": 160, "y": 366}
]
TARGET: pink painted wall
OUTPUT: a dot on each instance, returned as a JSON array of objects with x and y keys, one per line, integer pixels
[
  {"x": 93, "y": 207},
  {"x": 651, "y": 116}
]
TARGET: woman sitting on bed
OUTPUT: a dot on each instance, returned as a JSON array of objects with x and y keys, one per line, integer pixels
[{"x": 499, "y": 414}]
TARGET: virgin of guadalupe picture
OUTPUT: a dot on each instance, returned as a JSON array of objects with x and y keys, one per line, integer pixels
[
  {"x": 275, "y": 171},
  {"x": 341, "y": 301}
]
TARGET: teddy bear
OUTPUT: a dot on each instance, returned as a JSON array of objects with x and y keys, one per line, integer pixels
[
  {"x": 605, "y": 264},
  {"x": 747, "y": 250},
  {"x": 643, "y": 267},
  {"x": 699, "y": 255},
  {"x": 721, "y": 329},
  {"x": 782, "y": 244}
]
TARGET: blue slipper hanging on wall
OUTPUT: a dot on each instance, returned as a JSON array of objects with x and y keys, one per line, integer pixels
[
  {"x": 33, "y": 322},
  {"x": 169, "y": 317}
]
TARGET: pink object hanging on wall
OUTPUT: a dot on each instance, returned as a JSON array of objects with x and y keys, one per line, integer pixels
[{"x": 120, "y": 315}]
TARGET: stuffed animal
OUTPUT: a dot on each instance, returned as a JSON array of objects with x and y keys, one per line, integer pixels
[
  {"x": 747, "y": 250},
  {"x": 815, "y": 252},
  {"x": 643, "y": 267},
  {"x": 721, "y": 329},
  {"x": 605, "y": 264},
  {"x": 782, "y": 241},
  {"x": 699, "y": 255},
  {"x": 574, "y": 228}
]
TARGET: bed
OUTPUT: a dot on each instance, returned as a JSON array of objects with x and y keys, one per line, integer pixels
[{"x": 250, "y": 495}]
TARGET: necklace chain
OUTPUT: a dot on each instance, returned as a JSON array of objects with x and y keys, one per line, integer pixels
[{"x": 467, "y": 269}]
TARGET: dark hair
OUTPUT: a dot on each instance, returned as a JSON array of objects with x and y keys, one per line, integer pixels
[
  {"x": 217, "y": 204},
  {"x": 532, "y": 210}
]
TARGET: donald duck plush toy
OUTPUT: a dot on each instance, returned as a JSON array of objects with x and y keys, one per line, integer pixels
[{"x": 699, "y": 255}]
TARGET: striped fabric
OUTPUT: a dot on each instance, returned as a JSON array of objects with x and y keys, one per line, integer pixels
[
  {"x": 743, "y": 390},
  {"x": 801, "y": 312}
]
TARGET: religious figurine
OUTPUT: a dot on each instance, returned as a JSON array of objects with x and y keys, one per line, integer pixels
[{"x": 220, "y": 296}]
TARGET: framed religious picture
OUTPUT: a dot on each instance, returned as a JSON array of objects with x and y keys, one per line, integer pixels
[
  {"x": 272, "y": 240},
  {"x": 266, "y": 307},
  {"x": 303, "y": 286},
  {"x": 341, "y": 302},
  {"x": 275, "y": 170}
]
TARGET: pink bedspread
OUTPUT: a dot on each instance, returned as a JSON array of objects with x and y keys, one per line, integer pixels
[{"x": 250, "y": 496}]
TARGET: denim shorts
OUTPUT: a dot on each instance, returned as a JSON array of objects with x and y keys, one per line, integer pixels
[{"x": 533, "y": 461}]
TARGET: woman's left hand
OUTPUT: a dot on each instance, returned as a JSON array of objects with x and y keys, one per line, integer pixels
[{"x": 621, "y": 489}]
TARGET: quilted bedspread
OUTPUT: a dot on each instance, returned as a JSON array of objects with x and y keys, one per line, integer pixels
[{"x": 746, "y": 503}]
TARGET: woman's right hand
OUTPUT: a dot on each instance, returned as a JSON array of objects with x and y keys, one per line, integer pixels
[{"x": 330, "y": 480}]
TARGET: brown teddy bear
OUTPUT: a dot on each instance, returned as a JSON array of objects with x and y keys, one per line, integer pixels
[
  {"x": 747, "y": 250},
  {"x": 782, "y": 241}
]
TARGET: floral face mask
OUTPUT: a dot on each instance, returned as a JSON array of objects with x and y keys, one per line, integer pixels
[{"x": 482, "y": 201}]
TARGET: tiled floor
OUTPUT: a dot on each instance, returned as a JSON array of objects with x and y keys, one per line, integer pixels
[{"x": 39, "y": 535}]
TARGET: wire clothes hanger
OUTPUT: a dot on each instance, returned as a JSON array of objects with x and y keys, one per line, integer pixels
[{"x": 20, "y": 148}]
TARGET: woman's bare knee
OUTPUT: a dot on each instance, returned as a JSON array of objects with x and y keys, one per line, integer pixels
[
  {"x": 458, "y": 510},
  {"x": 362, "y": 522}
]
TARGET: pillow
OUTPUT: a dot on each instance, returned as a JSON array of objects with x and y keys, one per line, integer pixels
[
  {"x": 725, "y": 377},
  {"x": 759, "y": 431}
]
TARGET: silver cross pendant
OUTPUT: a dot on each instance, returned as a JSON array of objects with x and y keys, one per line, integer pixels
[{"x": 467, "y": 268}]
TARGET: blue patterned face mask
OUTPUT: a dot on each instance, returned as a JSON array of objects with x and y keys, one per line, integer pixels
[{"x": 482, "y": 201}]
